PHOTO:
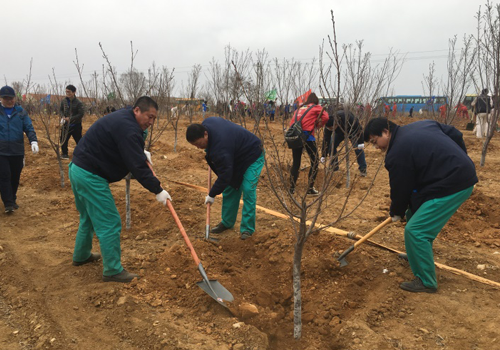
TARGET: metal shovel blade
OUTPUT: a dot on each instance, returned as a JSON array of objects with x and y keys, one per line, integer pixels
[{"x": 216, "y": 291}]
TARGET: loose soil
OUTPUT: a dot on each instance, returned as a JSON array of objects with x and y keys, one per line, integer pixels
[{"x": 46, "y": 303}]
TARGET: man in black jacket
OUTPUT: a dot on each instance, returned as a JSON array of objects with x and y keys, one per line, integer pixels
[
  {"x": 430, "y": 175},
  {"x": 72, "y": 111},
  {"x": 482, "y": 109},
  {"x": 112, "y": 147},
  {"x": 354, "y": 131},
  {"x": 236, "y": 156}
]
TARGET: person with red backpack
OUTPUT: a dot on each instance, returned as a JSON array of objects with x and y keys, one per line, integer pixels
[{"x": 313, "y": 116}]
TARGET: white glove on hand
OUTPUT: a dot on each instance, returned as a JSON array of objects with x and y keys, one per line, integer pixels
[
  {"x": 148, "y": 157},
  {"x": 361, "y": 146},
  {"x": 322, "y": 160},
  {"x": 396, "y": 218},
  {"x": 209, "y": 199},
  {"x": 34, "y": 147},
  {"x": 62, "y": 122},
  {"x": 163, "y": 196}
]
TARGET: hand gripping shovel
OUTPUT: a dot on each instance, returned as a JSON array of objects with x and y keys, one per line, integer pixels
[
  {"x": 342, "y": 260},
  {"x": 211, "y": 287}
]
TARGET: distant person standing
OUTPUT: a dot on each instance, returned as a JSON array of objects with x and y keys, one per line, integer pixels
[
  {"x": 387, "y": 109},
  {"x": 411, "y": 112},
  {"x": 482, "y": 108},
  {"x": 14, "y": 121},
  {"x": 394, "y": 109},
  {"x": 442, "y": 111},
  {"x": 72, "y": 112},
  {"x": 204, "y": 108}
]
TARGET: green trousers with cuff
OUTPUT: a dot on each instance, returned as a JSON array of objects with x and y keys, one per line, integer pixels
[
  {"x": 231, "y": 198},
  {"x": 98, "y": 214},
  {"x": 423, "y": 227}
]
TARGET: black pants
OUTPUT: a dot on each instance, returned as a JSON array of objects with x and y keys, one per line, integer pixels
[
  {"x": 74, "y": 130},
  {"x": 10, "y": 173},
  {"x": 312, "y": 151}
]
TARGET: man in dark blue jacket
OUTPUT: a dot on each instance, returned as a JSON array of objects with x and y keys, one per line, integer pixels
[
  {"x": 430, "y": 176},
  {"x": 112, "y": 147},
  {"x": 14, "y": 121},
  {"x": 237, "y": 157}
]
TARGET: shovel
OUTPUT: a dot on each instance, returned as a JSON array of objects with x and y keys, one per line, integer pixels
[
  {"x": 211, "y": 287},
  {"x": 342, "y": 260}
]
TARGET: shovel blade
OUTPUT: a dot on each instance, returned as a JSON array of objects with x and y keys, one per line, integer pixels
[
  {"x": 216, "y": 291},
  {"x": 343, "y": 262}
]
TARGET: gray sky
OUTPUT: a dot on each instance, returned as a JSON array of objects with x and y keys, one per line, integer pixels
[{"x": 179, "y": 34}]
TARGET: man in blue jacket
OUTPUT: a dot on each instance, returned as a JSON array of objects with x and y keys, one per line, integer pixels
[
  {"x": 430, "y": 175},
  {"x": 237, "y": 157},
  {"x": 14, "y": 121},
  {"x": 112, "y": 147}
]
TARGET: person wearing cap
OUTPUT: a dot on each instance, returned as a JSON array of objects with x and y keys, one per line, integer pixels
[
  {"x": 71, "y": 112},
  {"x": 430, "y": 176},
  {"x": 111, "y": 148},
  {"x": 337, "y": 125},
  {"x": 14, "y": 121},
  {"x": 237, "y": 157}
]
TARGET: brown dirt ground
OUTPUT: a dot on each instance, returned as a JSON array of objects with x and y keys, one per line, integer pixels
[{"x": 46, "y": 303}]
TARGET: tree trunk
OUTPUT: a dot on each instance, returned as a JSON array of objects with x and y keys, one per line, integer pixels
[
  {"x": 128, "y": 219},
  {"x": 61, "y": 171},
  {"x": 297, "y": 291},
  {"x": 485, "y": 150}
]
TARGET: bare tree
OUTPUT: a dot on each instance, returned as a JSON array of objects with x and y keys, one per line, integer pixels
[
  {"x": 488, "y": 63},
  {"x": 458, "y": 78}
]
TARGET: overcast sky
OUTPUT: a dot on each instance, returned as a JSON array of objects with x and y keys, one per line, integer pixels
[{"x": 179, "y": 34}]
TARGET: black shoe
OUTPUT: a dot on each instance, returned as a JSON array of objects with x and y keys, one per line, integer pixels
[
  {"x": 416, "y": 286},
  {"x": 93, "y": 257},
  {"x": 64, "y": 156},
  {"x": 9, "y": 209},
  {"x": 123, "y": 277},
  {"x": 292, "y": 190},
  {"x": 312, "y": 192},
  {"x": 219, "y": 228},
  {"x": 363, "y": 173},
  {"x": 245, "y": 235},
  {"x": 15, "y": 206}
]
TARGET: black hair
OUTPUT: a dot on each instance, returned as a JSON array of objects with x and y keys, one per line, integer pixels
[
  {"x": 376, "y": 126},
  {"x": 195, "y": 132},
  {"x": 312, "y": 98},
  {"x": 145, "y": 103},
  {"x": 485, "y": 92},
  {"x": 71, "y": 88}
]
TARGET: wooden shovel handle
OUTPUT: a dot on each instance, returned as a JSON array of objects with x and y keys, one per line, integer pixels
[
  {"x": 179, "y": 225},
  {"x": 372, "y": 232}
]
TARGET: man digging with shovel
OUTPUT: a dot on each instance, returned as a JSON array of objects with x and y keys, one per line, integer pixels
[
  {"x": 237, "y": 157},
  {"x": 430, "y": 176},
  {"x": 112, "y": 147}
]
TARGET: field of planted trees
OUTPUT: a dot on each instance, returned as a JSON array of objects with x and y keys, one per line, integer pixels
[
  {"x": 290, "y": 291},
  {"x": 45, "y": 302}
]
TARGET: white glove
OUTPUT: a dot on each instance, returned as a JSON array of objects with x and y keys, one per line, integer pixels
[
  {"x": 62, "y": 122},
  {"x": 209, "y": 199},
  {"x": 361, "y": 146},
  {"x": 148, "y": 157},
  {"x": 34, "y": 147},
  {"x": 396, "y": 218},
  {"x": 322, "y": 160},
  {"x": 163, "y": 196}
]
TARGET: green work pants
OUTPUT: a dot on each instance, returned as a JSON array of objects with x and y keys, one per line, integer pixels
[
  {"x": 231, "y": 199},
  {"x": 423, "y": 227},
  {"x": 98, "y": 214}
]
